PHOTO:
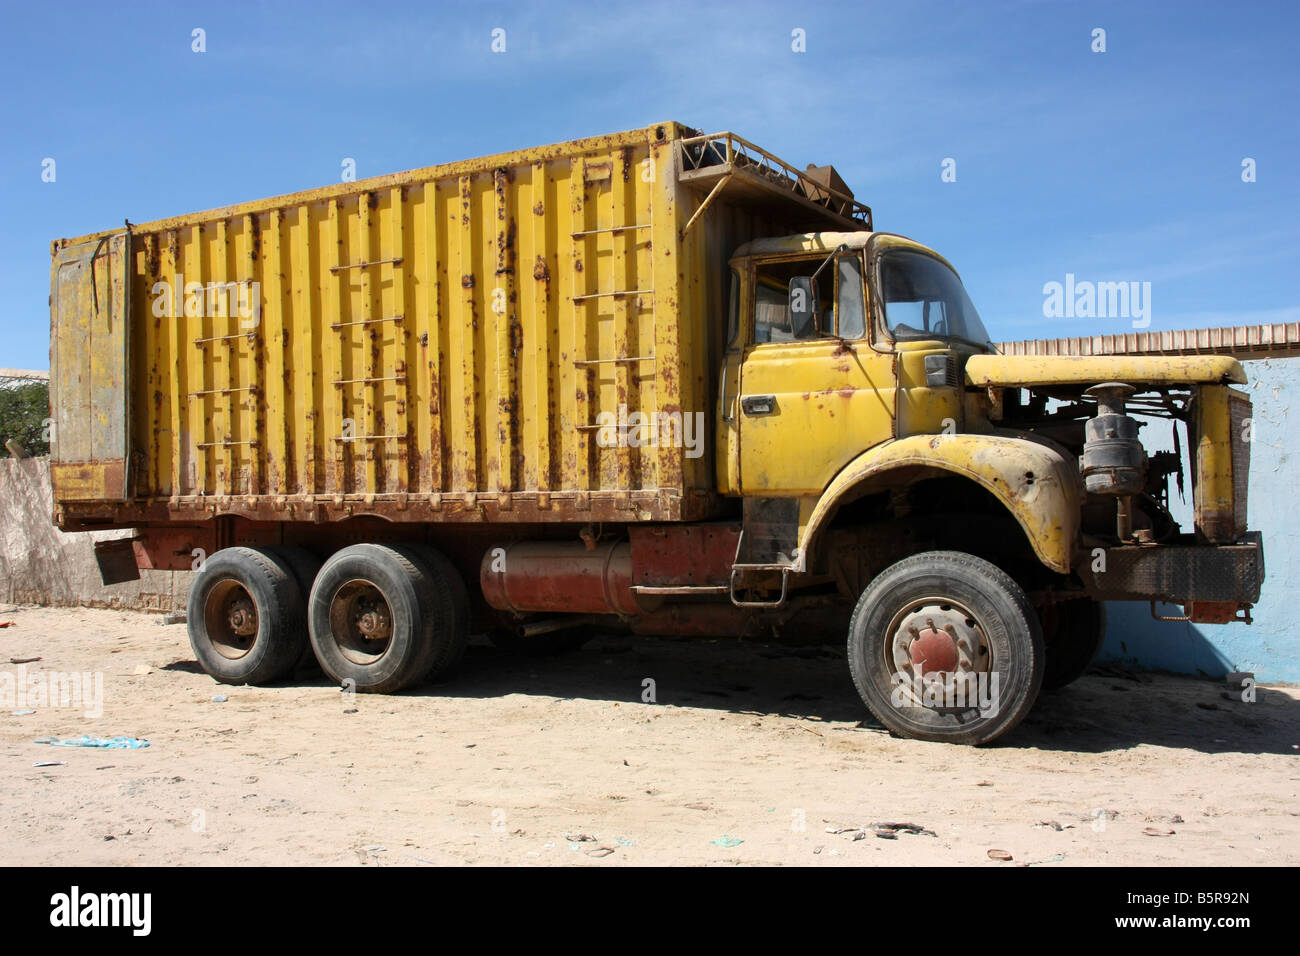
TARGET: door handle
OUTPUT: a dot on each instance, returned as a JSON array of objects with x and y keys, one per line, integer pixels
[{"x": 758, "y": 404}]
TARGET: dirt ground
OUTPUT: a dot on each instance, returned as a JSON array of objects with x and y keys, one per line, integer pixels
[{"x": 752, "y": 754}]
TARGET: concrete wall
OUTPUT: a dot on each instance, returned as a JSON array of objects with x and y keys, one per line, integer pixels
[
  {"x": 1269, "y": 647},
  {"x": 41, "y": 565}
]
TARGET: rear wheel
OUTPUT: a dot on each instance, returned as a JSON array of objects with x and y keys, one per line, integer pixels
[
  {"x": 380, "y": 617},
  {"x": 455, "y": 639},
  {"x": 946, "y": 646},
  {"x": 246, "y": 617},
  {"x": 304, "y": 566},
  {"x": 1073, "y": 632}
]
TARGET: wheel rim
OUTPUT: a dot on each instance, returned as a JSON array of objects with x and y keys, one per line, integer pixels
[
  {"x": 936, "y": 639},
  {"x": 230, "y": 614},
  {"x": 361, "y": 621}
]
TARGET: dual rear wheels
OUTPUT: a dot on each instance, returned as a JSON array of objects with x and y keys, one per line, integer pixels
[{"x": 377, "y": 618}]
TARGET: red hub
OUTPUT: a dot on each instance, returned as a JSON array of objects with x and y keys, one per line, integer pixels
[{"x": 934, "y": 652}]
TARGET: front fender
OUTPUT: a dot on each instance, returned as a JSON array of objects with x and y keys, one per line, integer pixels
[{"x": 1038, "y": 484}]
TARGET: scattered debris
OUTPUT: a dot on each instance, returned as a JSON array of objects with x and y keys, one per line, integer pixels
[
  {"x": 21, "y": 713},
  {"x": 7, "y": 624},
  {"x": 174, "y": 617},
  {"x": 23, "y": 660},
  {"x": 580, "y": 838},
  {"x": 103, "y": 743},
  {"x": 727, "y": 840},
  {"x": 50, "y": 763},
  {"x": 1053, "y": 825},
  {"x": 219, "y": 698},
  {"x": 902, "y": 828},
  {"x": 1157, "y": 831},
  {"x": 600, "y": 851},
  {"x": 1002, "y": 855},
  {"x": 883, "y": 831}
]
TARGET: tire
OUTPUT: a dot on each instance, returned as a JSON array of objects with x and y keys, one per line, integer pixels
[
  {"x": 452, "y": 644},
  {"x": 997, "y": 634},
  {"x": 246, "y": 617},
  {"x": 304, "y": 566},
  {"x": 1073, "y": 632},
  {"x": 375, "y": 616}
]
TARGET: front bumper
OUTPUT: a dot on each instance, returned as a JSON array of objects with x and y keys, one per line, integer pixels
[{"x": 1184, "y": 573}]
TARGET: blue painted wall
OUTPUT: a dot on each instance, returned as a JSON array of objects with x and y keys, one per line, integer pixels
[{"x": 1270, "y": 647}]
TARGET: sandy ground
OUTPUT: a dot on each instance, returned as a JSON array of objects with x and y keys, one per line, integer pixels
[{"x": 751, "y": 754}]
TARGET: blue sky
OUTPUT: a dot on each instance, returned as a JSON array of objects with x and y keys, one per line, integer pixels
[{"x": 1123, "y": 165}]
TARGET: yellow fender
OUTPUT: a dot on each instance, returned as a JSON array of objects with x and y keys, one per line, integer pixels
[{"x": 1037, "y": 483}]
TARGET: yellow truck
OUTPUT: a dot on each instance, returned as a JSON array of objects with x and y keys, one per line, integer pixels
[{"x": 659, "y": 380}]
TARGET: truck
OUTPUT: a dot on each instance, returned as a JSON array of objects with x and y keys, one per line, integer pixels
[{"x": 660, "y": 381}]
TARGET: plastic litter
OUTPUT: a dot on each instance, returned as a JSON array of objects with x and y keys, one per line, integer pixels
[
  {"x": 103, "y": 743},
  {"x": 219, "y": 698},
  {"x": 727, "y": 840}
]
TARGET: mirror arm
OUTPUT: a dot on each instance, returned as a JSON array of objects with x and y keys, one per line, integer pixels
[
  {"x": 817, "y": 319},
  {"x": 841, "y": 248}
]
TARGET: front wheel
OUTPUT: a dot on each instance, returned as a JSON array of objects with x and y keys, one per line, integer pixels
[{"x": 945, "y": 646}]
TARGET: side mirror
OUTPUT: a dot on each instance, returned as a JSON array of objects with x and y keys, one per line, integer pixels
[{"x": 803, "y": 306}]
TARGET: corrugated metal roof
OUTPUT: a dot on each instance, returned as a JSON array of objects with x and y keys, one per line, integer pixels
[{"x": 1241, "y": 342}]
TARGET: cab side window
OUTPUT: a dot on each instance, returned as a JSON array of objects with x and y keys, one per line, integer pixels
[{"x": 839, "y": 296}]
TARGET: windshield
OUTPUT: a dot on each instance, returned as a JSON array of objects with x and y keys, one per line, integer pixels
[{"x": 924, "y": 299}]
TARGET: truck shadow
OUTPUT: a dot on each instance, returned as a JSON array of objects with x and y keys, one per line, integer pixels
[{"x": 1109, "y": 709}]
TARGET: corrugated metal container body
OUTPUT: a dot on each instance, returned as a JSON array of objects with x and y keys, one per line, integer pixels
[
  {"x": 451, "y": 334},
  {"x": 432, "y": 345}
]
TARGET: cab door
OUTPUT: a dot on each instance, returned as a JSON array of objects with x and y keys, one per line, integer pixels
[{"x": 809, "y": 401}]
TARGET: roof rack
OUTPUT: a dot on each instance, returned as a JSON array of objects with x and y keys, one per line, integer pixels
[{"x": 718, "y": 159}]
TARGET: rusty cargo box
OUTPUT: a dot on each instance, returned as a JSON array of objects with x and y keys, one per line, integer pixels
[{"x": 437, "y": 345}]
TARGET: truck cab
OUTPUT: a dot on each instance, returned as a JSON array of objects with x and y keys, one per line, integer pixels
[{"x": 883, "y": 448}]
